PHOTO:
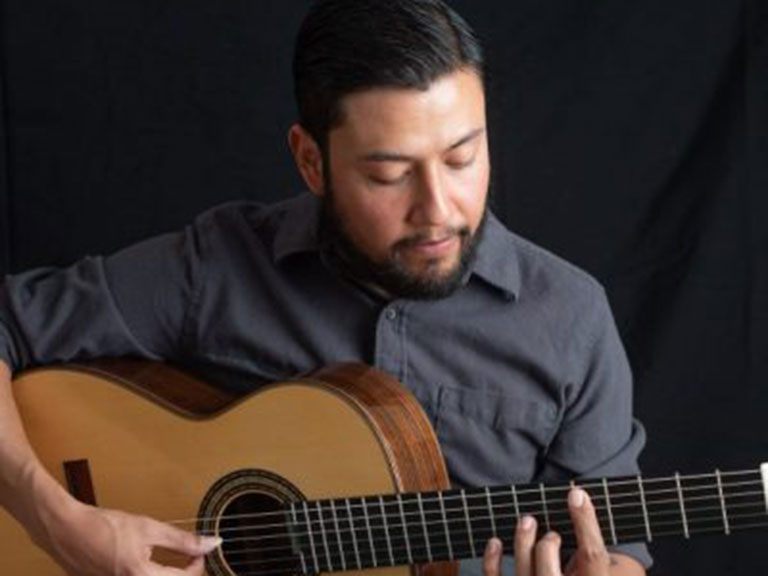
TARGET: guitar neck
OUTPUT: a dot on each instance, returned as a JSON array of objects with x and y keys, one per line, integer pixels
[{"x": 391, "y": 530}]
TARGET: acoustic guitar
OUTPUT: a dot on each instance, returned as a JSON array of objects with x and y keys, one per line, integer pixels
[{"x": 335, "y": 471}]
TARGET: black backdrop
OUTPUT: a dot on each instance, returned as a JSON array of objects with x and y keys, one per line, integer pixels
[{"x": 629, "y": 137}]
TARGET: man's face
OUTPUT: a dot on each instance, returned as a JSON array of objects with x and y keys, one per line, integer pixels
[{"x": 407, "y": 179}]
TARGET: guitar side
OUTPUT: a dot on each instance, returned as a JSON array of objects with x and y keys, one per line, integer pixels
[{"x": 344, "y": 431}]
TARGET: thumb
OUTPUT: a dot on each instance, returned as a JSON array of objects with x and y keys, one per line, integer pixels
[{"x": 178, "y": 540}]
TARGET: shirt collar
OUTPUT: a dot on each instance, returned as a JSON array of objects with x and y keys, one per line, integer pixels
[
  {"x": 496, "y": 260},
  {"x": 298, "y": 227}
]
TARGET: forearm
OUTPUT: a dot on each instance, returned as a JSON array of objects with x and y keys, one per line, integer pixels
[{"x": 27, "y": 491}]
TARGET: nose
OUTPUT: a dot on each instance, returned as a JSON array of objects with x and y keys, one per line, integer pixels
[{"x": 432, "y": 204}]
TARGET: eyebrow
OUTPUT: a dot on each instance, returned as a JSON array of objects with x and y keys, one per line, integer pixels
[{"x": 395, "y": 157}]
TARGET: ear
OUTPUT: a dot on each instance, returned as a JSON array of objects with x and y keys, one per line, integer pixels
[{"x": 308, "y": 158}]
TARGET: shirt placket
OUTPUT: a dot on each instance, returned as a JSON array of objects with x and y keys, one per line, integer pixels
[{"x": 391, "y": 340}]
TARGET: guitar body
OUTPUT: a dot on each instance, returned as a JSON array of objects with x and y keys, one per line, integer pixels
[{"x": 157, "y": 450}]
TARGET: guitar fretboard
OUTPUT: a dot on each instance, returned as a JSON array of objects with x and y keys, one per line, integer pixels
[{"x": 400, "y": 529}]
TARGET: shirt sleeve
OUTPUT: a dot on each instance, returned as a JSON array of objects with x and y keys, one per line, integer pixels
[
  {"x": 133, "y": 303},
  {"x": 598, "y": 436}
]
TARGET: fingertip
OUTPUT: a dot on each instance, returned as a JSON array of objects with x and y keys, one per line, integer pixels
[
  {"x": 577, "y": 497},
  {"x": 494, "y": 547},
  {"x": 210, "y": 543},
  {"x": 526, "y": 523}
]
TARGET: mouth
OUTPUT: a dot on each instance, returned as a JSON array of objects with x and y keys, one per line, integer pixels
[{"x": 433, "y": 248}]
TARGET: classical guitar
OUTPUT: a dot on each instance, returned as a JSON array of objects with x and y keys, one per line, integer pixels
[{"x": 335, "y": 471}]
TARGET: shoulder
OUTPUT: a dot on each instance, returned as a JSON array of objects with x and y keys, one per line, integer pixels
[
  {"x": 533, "y": 271},
  {"x": 254, "y": 223}
]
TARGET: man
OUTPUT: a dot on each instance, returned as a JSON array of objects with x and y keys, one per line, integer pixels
[{"x": 393, "y": 260}]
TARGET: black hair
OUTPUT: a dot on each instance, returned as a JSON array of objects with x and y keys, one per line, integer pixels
[{"x": 347, "y": 46}]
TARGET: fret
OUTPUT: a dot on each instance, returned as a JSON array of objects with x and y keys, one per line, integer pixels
[
  {"x": 311, "y": 537},
  {"x": 461, "y": 545},
  {"x": 469, "y": 523},
  {"x": 374, "y": 559},
  {"x": 319, "y": 508},
  {"x": 386, "y": 531},
  {"x": 405, "y": 528},
  {"x": 338, "y": 536},
  {"x": 418, "y": 508},
  {"x": 491, "y": 514},
  {"x": 445, "y": 524},
  {"x": 682, "y": 505},
  {"x": 424, "y": 526},
  {"x": 530, "y": 503},
  {"x": 434, "y": 521},
  {"x": 744, "y": 496},
  {"x": 721, "y": 496},
  {"x": 516, "y": 503},
  {"x": 641, "y": 491},
  {"x": 354, "y": 534},
  {"x": 764, "y": 479},
  {"x": 295, "y": 517},
  {"x": 610, "y": 510},
  {"x": 429, "y": 527},
  {"x": 544, "y": 509}
]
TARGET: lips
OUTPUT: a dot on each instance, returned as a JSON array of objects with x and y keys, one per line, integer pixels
[{"x": 433, "y": 248}]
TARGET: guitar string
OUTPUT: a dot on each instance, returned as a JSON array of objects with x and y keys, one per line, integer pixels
[
  {"x": 563, "y": 531},
  {"x": 564, "y": 520},
  {"x": 554, "y": 511},
  {"x": 552, "y": 507},
  {"x": 294, "y": 560},
  {"x": 522, "y": 493}
]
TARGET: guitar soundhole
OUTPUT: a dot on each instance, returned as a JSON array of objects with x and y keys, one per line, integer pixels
[
  {"x": 248, "y": 510},
  {"x": 256, "y": 540}
]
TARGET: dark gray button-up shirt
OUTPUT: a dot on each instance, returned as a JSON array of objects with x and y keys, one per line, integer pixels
[{"x": 521, "y": 371}]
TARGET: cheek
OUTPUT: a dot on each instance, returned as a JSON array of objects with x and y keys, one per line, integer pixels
[
  {"x": 372, "y": 221},
  {"x": 473, "y": 193}
]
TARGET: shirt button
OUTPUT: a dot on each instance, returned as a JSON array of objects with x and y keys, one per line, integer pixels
[{"x": 391, "y": 314}]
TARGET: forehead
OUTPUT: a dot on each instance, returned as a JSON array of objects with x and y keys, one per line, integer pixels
[{"x": 405, "y": 119}]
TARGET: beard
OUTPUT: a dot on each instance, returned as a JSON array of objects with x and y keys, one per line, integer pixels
[{"x": 391, "y": 274}]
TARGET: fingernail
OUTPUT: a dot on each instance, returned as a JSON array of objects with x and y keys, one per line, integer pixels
[
  {"x": 494, "y": 546},
  {"x": 211, "y": 542},
  {"x": 527, "y": 523},
  {"x": 576, "y": 497}
]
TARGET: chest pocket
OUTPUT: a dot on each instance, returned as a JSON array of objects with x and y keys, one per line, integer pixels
[{"x": 490, "y": 439}]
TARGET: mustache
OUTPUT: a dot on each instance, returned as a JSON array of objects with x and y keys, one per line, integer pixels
[{"x": 462, "y": 232}]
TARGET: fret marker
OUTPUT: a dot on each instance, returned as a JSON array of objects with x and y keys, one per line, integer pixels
[
  {"x": 720, "y": 493},
  {"x": 682, "y": 504},
  {"x": 610, "y": 510},
  {"x": 405, "y": 529},
  {"x": 764, "y": 474},
  {"x": 645, "y": 509},
  {"x": 354, "y": 535}
]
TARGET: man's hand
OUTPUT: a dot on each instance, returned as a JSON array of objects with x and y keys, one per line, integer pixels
[
  {"x": 90, "y": 541},
  {"x": 542, "y": 558},
  {"x": 84, "y": 540}
]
